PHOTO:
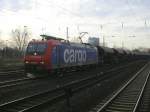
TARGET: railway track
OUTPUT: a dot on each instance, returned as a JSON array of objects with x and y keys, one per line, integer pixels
[
  {"x": 128, "y": 98},
  {"x": 10, "y": 68},
  {"x": 144, "y": 105},
  {"x": 21, "y": 80},
  {"x": 11, "y": 73},
  {"x": 41, "y": 98},
  {"x": 10, "y": 83}
]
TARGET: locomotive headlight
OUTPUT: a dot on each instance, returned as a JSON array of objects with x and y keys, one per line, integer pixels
[
  {"x": 42, "y": 62},
  {"x": 26, "y": 62}
]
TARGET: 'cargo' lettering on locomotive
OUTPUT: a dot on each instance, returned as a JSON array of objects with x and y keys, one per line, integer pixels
[{"x": 72, "y": 56}]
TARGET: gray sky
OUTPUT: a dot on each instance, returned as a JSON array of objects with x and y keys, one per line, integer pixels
[{"x": 119, "y": 21}]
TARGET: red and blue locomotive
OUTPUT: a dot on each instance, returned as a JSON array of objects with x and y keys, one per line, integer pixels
[{"x": 55, "y": 54}]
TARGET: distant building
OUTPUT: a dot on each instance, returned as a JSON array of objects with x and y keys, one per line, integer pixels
[{"x": 93, "y": 41}]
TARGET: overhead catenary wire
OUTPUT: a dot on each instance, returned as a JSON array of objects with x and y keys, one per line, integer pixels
[
  {"x": 67, "y": 11},
  {"x": 49, "y": 3}
]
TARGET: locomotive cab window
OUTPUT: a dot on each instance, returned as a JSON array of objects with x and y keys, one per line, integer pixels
[
  {"x": 41, "y": 48},
  {"x": 38, "y": 48}
]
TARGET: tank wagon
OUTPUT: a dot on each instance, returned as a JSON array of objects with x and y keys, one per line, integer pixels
[
  {"x": 106, "y": 55},
  {"x": 56, "y": 54}
]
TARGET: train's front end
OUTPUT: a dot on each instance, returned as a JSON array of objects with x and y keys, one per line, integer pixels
[{"x": 36, "y": 57}]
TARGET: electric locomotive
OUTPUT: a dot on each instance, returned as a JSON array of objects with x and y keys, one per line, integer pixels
[{"x": 53, "y": 54}]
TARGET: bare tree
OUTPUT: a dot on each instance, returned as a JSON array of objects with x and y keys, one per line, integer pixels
[
  {"x": 21, "y": 37},
  {"x": 2, "y": 43}
]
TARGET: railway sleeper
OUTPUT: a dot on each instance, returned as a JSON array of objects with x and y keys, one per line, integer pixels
[
  {"x": 122, "y": 105},
  {"x": 119, "y": 109},
  {"x": 109, "y": 110}
]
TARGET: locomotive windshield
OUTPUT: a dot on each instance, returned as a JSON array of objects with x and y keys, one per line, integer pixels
[{"x": 36, "y": 48}]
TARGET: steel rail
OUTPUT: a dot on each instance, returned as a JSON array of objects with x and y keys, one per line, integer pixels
[
  {"x": 120, "y": 90},
  {"x": 58, "y": 88},
  {"x": 12, "y": 82}
]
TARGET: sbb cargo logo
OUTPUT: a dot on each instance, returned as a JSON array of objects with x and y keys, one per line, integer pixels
[{"x": 73, "y": 56}]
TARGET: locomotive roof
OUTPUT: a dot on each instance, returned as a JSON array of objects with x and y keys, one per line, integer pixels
[
  {"x": 48, "y": 37},
  {"x": 79, "y": 44}
]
